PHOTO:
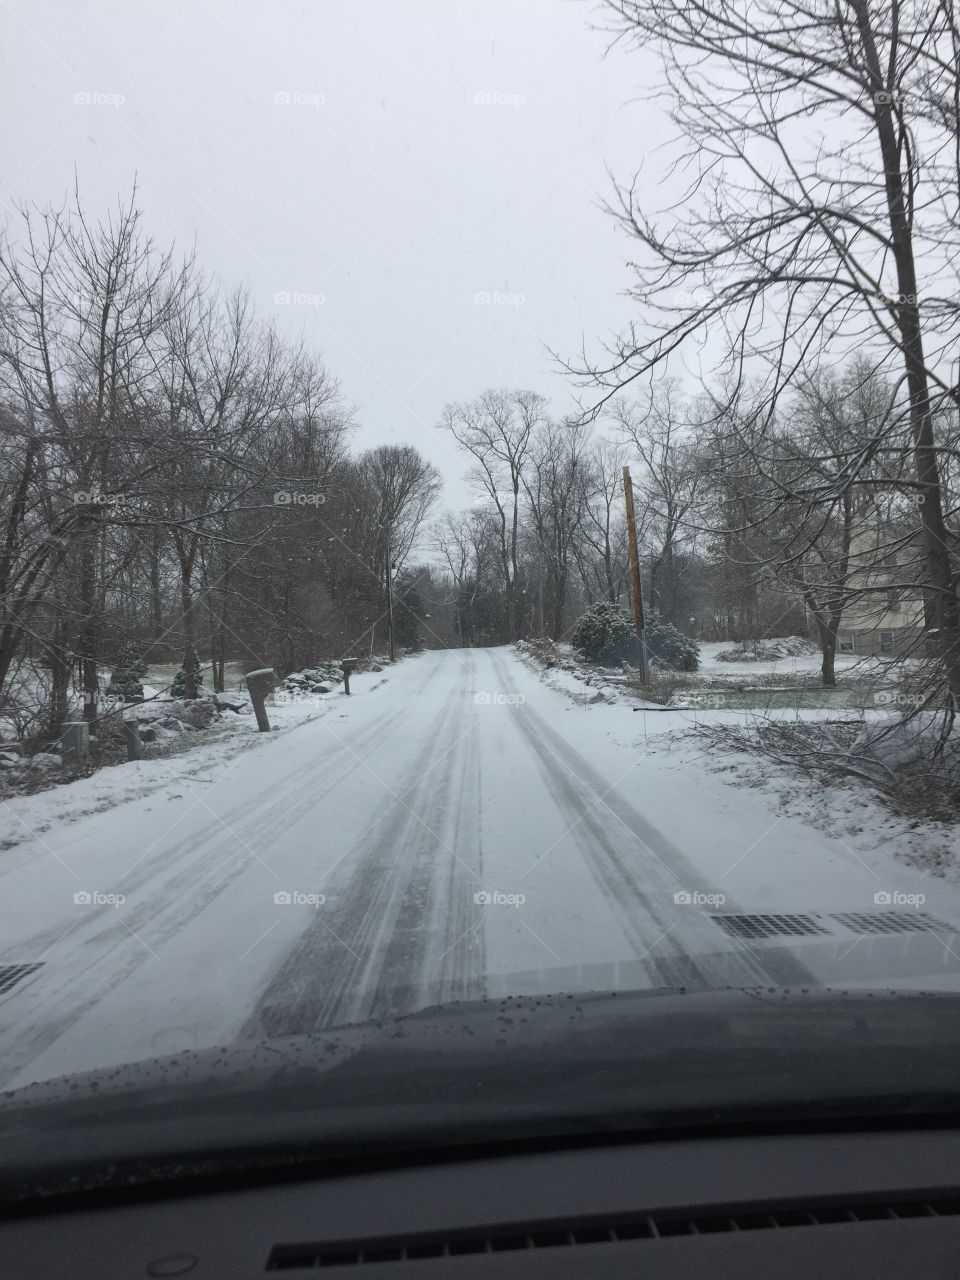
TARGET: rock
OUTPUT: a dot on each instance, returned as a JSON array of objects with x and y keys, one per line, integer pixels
[
  {"x": 196, "y": 713},
  {"x": 45, "y": 762},
  {"x": 231, "y": 701},
  {"x": 376, "y": 667},
  {"x": 161, "y": 732},
  {"x": 319, "y": 688},
  {"x": 172, "y": 725}
]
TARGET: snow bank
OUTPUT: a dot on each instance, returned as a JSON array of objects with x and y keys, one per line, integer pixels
[
  {"x": 558, "y": 668},
  {"x": 925, "y": 740},
  {"x": 768, "y": 650}
]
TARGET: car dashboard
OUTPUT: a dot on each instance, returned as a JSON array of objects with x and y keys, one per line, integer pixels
[{"x": 871, "y": 1204}]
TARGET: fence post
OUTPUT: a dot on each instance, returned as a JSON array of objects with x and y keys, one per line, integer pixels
[
  {"x": 131, "y": 737},
  {"x": 75, "y": 741}
]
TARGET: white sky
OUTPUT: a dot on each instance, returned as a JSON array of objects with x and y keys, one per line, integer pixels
[{"x": 383, "y": 186}]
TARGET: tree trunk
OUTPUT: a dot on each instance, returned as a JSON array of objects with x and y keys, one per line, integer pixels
[
  {"x": 156, "y": 598},
  {"x": 939, "y": 570},
  {"x": 558, "y": 606},
  {"x": 61, "y": 669},
  {"x": 828, "y": 648},
  {"x": 222, "y": 664},
  {"x": 189, "y": 646},
  {"x": 214, "y": 665},
  {"x": 89, "y": 630}
]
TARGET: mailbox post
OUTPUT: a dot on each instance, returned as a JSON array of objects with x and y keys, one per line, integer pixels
[
  {"x": 131, "y": 738},
  {"x": 261, "y": 683},
  {"x": 75, "y": 741},
  {"x": 347, "y": 665}
]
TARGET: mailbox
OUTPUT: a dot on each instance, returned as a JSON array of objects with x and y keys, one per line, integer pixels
[
  {"x": 261, "y": 684},
  {"x": 348, "y": 666}
]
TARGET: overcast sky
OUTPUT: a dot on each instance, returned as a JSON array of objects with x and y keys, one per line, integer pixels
[{"x": 381, "y": 164}]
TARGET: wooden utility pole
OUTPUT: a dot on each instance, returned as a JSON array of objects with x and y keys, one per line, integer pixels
[
  {"x": 390, "y": 595},
  {"x": 635, "y": 577}
]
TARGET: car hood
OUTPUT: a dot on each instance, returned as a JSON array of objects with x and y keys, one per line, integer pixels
[{"x": 521, "y": 1069}]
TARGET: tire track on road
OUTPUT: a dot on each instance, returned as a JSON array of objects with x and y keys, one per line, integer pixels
[
  {"x": 639, "y": 869},
  {"x": 367, "y": 949},
  {"x": 435, "y": 953},
  {"x": 170, "y": 871},
  {"x": 183, "y": 881}
]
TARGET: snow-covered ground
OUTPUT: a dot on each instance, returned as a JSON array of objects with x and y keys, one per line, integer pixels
[
  {"x": 191, "y": 755},
  {"x": 799, "y": 664},
  {"x": 457, "y": 828}
]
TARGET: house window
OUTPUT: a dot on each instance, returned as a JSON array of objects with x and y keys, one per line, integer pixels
[
  {"x": 893, "y": 599},
  {"x": 890, "y": 560},
  {"x": 846, "y": 642},
  {"x": 888, "y": 641}
]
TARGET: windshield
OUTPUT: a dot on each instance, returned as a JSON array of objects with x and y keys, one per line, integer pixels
[{"x": 478, "y": 520}]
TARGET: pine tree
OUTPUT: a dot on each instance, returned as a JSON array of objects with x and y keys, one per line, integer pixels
[
  {"x": 126, "y": 678},
  {"x": 179, "y": 687}
]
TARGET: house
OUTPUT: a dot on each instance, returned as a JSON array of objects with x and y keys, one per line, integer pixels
[{"x": 883, "y": 614}]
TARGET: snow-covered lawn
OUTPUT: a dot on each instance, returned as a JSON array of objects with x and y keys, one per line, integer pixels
[
  {"x": 767, "y": 685},
  {"x": 795, "y": 665}
]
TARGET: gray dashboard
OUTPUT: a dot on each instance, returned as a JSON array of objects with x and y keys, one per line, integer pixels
[{"x": 862, "y": 1204}]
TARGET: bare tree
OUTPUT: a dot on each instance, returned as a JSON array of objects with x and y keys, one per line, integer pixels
[
  {"x": 496, "y": 430},
  {"x": 604, "y": 527},
  {"x": 670, "y": 477},
  {"x": 85, "y": 303},
  {"x": 556, "y": 483},
  {"x": 823, "y": 212}
]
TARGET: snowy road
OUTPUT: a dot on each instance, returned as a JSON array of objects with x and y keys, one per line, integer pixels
[{"x": 453, "y": 830}]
